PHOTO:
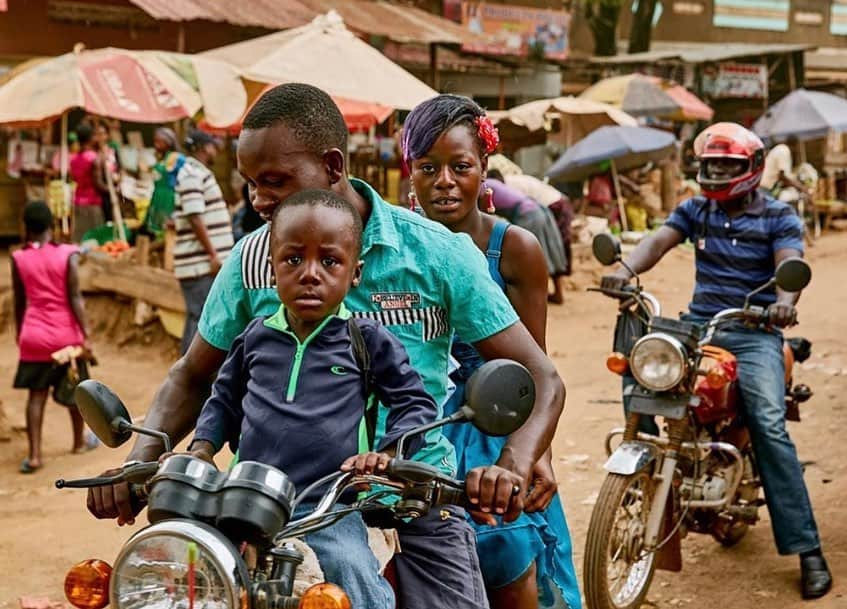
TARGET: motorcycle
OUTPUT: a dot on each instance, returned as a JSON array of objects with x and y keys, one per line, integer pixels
[
  {"x": 223, "y": 540},
  {"x": 700, "y": 475}
]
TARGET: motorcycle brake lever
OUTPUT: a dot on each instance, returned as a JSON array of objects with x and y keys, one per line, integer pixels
[{"x": 138, "y": 472}]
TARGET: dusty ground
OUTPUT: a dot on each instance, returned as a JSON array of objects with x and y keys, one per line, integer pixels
[{"x": 45, "y": 530}]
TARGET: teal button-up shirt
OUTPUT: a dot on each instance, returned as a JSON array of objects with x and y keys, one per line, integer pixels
[{"x": 420, "y": 280}]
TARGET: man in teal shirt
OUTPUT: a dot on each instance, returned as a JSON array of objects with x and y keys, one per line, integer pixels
[{"x": 421, "y": 281}]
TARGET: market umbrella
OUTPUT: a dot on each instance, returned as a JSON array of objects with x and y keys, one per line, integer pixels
[
  {"x": 579, "y": 117},
  {"x": 137, "y": 86},
  {"x": 359, "y": 116},
  {"x": 327, "y": 55},
  {"x": 642, "y": 95},
  {"x": 803, "y": 114},
  {"x": 612, "y": 148}
]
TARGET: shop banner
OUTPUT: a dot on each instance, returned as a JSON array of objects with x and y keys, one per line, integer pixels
[
  {"x": 512, "y": 30},
  {"x": 736, "y": 80},
  {"x": 771, "y": 15}
]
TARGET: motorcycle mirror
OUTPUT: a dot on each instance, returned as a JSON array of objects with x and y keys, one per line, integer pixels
[
  {"x": 500, "y": 396},
  {"x": 793, "y": 274},
  {"x": 104, "y": 412},
  {"x": 606, "y": 249}
]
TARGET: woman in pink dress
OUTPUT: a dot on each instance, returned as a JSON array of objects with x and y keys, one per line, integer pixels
[
  {"x": 86, "y": 169},
  {"x": 49, "y": 316}
]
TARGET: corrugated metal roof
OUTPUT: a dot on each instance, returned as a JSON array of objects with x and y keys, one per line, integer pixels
[
  {"x": 271, "y": 14},
  {"x": 692, "y": 52},
  {"x": 402, "y": 24}
]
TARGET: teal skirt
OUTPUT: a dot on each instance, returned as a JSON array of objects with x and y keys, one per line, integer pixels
[{"x": 508, "y": 550}]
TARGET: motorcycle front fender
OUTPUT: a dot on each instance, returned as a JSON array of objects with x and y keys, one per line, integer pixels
[{"x": 630, "y": 457}]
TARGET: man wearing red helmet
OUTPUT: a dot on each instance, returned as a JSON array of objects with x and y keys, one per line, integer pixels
[{"x": 740, "y": 235}]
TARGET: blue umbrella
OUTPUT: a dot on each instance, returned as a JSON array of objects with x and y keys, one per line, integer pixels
[
  {"x": 615, "y": 148},
  {"x": 805, "y": 115}
]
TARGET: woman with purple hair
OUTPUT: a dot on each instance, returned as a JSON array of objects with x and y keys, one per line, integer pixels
[{"x": 526, "y": 563}]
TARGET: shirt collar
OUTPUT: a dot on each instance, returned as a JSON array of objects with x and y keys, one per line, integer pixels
[
  {"x": 756, "y": 207},
  {"x": 278, "y": 321},
  {"x": 380, "y": 229}
]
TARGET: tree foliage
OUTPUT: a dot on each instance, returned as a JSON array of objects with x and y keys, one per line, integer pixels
[
  {"x": 642, "y": 26},
  {"x": 602, "y": 17}
]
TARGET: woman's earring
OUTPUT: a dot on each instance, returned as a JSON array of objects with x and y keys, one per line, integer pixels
[
  {"x": 489, "y": 201},
  {"x": 413, "y": 200}
]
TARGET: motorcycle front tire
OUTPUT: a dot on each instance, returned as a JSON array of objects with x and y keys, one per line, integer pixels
[{"x": 605, "y": 540}]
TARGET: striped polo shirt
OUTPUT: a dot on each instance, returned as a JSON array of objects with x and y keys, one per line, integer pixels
[
  {"x": 734, "y": 256},
  {"x": 198, "y": 192}
]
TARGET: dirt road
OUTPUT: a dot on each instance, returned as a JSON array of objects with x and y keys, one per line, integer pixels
[{"x": 44, "y": 531}]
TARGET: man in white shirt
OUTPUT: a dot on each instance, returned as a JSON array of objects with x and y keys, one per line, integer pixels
[{"x": 778, "y": 170}]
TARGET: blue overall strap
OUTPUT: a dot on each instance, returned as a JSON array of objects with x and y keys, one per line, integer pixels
[{"x": 495, "y": 248}]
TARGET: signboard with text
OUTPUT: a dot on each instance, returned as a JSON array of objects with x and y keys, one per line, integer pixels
[
  {"x": 512, "y": 30},
  {"x": 736, "y": 80}
]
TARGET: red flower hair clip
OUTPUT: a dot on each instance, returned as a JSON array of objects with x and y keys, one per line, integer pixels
[{"x": 487, "y": 133}]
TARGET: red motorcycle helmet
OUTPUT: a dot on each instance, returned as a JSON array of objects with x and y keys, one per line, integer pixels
[{"x": 729, "y": 142}]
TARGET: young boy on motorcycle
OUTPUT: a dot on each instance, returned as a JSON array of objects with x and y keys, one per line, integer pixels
[
  {"x": 422, "y": 282},
  {"x": 740, "y": 235},
  {"x": 306, "y": 419}
]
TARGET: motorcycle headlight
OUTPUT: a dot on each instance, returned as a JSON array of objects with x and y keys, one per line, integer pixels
[
  {"x": 178, "y": 563},
  {"x": 658, "y": 362}
]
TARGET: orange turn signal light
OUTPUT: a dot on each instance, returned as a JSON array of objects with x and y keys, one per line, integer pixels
[
  {"x": 325, "y": 596},
  {"x": 87, "y": 584},
  {"x": 617, "y": 363},
  {"x": 717, "y": 378}
]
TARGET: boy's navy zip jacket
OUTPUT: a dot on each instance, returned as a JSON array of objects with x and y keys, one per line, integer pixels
[{"x": 299, "y": 406}]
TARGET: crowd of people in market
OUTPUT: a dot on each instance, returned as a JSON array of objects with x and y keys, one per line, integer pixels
[{"x": 463, "y": 277}]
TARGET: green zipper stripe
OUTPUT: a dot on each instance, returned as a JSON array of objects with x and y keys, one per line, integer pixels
[{"x": 298, "y": 357}]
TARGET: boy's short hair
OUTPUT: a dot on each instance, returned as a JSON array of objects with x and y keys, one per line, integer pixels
[
  {"x": 307, "y": 111},
  {"x": 322, "y": 198}
]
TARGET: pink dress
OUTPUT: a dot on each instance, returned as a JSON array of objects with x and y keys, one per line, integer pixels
[
  {"x": 82, "y": 171},
  {"x": 49, "y": 323}
]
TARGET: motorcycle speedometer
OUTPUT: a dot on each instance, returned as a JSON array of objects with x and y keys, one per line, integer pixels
[
  {"x": 658, "y": 362},
  {"x": 178, "y": 563}
]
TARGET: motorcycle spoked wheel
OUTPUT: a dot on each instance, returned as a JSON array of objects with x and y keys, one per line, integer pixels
[{"x": 617, "y": 571}]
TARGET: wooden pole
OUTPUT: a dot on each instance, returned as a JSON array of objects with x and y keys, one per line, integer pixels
[
  {"x": 433, "y": 67},
  {"x": 117, "y": 216},
  {"x": 142, "y": 248},
  {"x": 63, "y": 169},
  {"x": 501, "y": 102},
  {"x": 180, "y": 38},
  {"x": 621, "y": 207}
]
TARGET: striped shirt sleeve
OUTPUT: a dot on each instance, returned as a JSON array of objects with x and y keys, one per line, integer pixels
[
  {"x": 682, "y": 219},
  {"x": 787, "y": 231},
  {"x": 190, "y": 188}
]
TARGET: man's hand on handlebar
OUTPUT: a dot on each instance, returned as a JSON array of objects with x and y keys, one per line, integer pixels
[
  {"x": 781, "y": 315},
  {"x": 113, "y": 501},
  {"x": 494, "y": 490}
]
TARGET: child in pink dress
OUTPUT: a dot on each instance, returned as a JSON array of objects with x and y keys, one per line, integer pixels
[{"x": 49, "y": 316}]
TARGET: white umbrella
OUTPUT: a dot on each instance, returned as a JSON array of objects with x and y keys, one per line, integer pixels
[{"x": 327, "y": 55}]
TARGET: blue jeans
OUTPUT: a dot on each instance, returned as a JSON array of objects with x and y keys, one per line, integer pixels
[
  {"x": 761, "y": 379},
  {"x": 347, "y": 561}
]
